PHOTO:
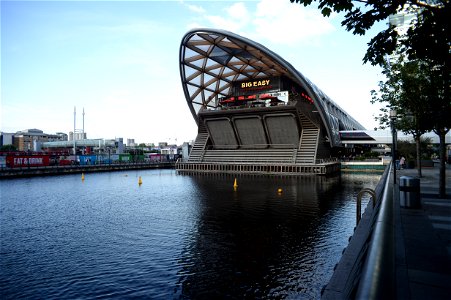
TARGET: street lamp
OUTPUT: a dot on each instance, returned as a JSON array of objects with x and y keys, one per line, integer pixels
[{"x": 394, "y": 141}]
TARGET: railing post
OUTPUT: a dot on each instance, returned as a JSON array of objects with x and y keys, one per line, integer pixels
[{"x": 359, "y": 202}]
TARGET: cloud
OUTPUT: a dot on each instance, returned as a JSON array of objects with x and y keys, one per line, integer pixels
[
  {"x": 288, "y": 23},
  {"x": 238, "y": 11},
  {"x": 280, "y": 22},
  {"x": 234, "y": 18},
  {"x": 196, "y": 8}
]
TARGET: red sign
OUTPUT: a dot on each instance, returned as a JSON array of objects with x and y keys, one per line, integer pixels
[{"x": 23, "y": 161}]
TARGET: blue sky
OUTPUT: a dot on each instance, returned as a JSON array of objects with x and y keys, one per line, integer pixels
[{"x": 119, "y": 61}]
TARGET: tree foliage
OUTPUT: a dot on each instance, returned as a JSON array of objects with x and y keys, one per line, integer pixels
[
  {"x": 8, "y": 148},
  {"x": 429, "y": 38},
  {"x": 412, "y": 89},
  {"x": 409, "y": 151},
  {"x": 415, "y": 90}
]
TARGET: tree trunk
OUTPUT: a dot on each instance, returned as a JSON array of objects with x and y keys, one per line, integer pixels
[
  {"x": 442, "y": 181},
  {"x": 417, "y": 142}
]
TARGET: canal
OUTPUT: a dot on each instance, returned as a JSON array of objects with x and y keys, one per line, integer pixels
[{"x": 175, "y": 236}]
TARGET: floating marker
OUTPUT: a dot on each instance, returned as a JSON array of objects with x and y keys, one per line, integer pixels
[
  {"x": 279, "y": 190},
  {"x": 82, "y": 176},
  {"x": 235, "y": 185},
  {"x": 140, "y": 181}
]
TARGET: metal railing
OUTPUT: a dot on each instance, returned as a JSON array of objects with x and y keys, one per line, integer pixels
[
  {"x": 366, "y": 269},
  {"x": 377, "y": 281},
  {"x": 252, "y": 147},
  {"x": 359, "y": 202}
]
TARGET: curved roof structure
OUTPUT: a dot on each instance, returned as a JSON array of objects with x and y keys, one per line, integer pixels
[{"x": 212, "y": 60}]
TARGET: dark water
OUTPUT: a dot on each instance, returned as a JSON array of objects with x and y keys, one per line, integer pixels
[{"x": 175, "y": 236}]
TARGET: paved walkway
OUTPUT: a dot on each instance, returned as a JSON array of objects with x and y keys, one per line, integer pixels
[{"x": 423, "y": 240}]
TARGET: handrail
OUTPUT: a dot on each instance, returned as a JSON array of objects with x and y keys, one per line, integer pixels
[
  {"x": 348, "y": 274},
  {"x": 252, "y": 147},
  {"x": 377, "y": 281},
  {"x": 359, "y": 202},
  {"x": 326, "y": 160}
]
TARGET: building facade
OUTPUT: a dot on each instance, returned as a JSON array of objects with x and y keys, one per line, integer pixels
[
  {"x": 6, "y": 139},
  {"x": 255, "y": 112},
  {"x": 29, "y": 139}
]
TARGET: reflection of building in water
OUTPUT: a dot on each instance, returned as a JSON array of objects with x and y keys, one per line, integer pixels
[
  {"x": 245, "y": 242},
  {"x": 255, "y": 112}
]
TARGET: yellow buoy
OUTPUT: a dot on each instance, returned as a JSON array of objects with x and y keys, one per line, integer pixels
[
  {"x": 279, "y": 190},
  {"x": 140, "y": 181},
  {"x": 235, "y": 185},
  {"x": 82, "y": 176}
]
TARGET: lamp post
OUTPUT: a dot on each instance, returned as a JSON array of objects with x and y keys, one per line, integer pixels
[{"x": 394, "y": 141}]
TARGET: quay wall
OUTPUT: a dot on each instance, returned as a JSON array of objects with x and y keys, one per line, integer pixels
[
  {"x": 205, "y": 168},
  {"x": 61, "y": 170}
]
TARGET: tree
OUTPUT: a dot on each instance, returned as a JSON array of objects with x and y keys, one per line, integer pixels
[
  {"x": 409, "y": 150},
  {"x": 427, "y": 39},
  {"x": 8, "y": 148},
  {"x": 408, "y": 89}
]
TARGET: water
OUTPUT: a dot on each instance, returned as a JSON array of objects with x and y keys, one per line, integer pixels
[{"x": 175, "y": 236}]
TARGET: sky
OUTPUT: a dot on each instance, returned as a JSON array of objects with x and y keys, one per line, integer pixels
[{"x": 118, "y": 60}]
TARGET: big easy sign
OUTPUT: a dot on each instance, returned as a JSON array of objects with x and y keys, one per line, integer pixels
[{"x": 247, "y": 87}]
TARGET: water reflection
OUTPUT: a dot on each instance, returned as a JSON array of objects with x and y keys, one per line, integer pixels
[{"x": 256, "y": 242}]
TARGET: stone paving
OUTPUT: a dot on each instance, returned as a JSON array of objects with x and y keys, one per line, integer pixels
[{"x": 423, "y": 240}]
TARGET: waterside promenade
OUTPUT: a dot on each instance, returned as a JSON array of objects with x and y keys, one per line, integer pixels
[{"x": 423, "y": 240}]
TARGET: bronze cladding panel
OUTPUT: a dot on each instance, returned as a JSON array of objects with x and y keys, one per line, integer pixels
[
  {"x": 222, "y": 133},
  {"x": 282, "y": 130},
  {"x": 251, "y": 132}
]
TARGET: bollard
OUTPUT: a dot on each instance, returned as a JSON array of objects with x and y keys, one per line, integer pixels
[{"x": 409, "y": 192}]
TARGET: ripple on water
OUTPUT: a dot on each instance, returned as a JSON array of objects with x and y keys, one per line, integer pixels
[{"x": 174, "y": 236}]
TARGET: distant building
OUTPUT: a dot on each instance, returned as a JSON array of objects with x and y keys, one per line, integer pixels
[
  {"x": 63, "y": 136},
  {"x": 86, "y": 146},
  {"x": 79, "y": 135},
  {"x": 6, "y": 138},
  {"x": 402, "y": 21},
  {"x": 120, "y": 145},
  {"x": 169, "y": 150},
  {"x": 29, "y": 139},
  {"x": 186, "y": 149},
  {"x": 131, "y": 143}
]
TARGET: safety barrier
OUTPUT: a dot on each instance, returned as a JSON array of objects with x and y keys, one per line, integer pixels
[
  {"x": 378, "y": 275},
  {"x": 366, "y": 268},
  {"x": 359, "y": 202}
]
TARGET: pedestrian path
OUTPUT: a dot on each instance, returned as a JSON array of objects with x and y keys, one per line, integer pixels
[{"x": 423, "y": 240}]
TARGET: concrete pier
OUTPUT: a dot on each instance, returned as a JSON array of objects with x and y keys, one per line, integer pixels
[{"x": 254, "y": 168}]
